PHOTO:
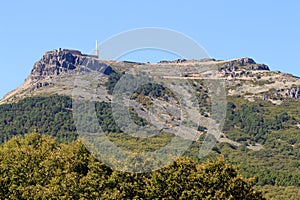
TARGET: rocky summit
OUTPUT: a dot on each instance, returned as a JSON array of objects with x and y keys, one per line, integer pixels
[
  {"x": 53, "y": 71},
  {"x": 61, "y": 62},
  {"x": 56, "y": 71}
]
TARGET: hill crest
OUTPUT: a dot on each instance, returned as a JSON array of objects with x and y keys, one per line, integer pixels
[{"x": 56, "y": 69}]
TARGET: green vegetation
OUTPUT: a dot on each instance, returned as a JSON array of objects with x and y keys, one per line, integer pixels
[
  {"x": 255, "y": 121},
  {"x": 279, "y": 192},
  {"x": 48, "y": 115},
  {"x": 113, "y": 78},
  {"x": 52, "y": 116},
  {"x": 251, "y": 123},
  {"x": 276, "y": 166},
  {"x": 37, "y": 167},
  {"x": 201, "y": 96},
  {"x": 150, "y": 89},
  {"x": 281, "y": 141}
]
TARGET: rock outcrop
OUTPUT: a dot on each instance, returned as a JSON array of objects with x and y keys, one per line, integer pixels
[
  {"x": 281, "y": 94},
  {"x": 293, "y": 92},
  {"x": 54, "y": 69},
  {"x": 57, "y": 62},
  {"x": 242, "y": 67},
  {"x": 244, "y": 63}
]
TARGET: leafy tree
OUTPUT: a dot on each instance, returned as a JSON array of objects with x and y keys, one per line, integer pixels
[{"x": 37, "y": 167}]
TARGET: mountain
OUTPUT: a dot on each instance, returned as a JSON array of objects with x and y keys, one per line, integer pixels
[
  {"x": 56, "y": 70},
  {"x": 260, "y": 132},
  {"x": 53, "y": 73}
]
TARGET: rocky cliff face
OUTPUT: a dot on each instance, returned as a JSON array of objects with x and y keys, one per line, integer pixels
[
  {"x": 242, "y": 67},
  {"x": 293, "y": 92},
  {"x": 247, "y": 63},
  {"x": 57, "y": 62},
  {"x": 53, "y": 72}
]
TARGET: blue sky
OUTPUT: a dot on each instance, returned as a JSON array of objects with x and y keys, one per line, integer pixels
[{"x": 267, "y": 31}]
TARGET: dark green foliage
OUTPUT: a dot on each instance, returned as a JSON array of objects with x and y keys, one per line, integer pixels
[
  {"x": 113, "y": 78},
  {"x": 48, "y": 115},
  {"x": 150, "y": 89},
  {"x": 52, "y": 116},
  {"x": 252, "y": 122},
  {"x": 154, "y": 90},
  {"x": 105, "y": 117},
  {"x": 272, "y": 176}
]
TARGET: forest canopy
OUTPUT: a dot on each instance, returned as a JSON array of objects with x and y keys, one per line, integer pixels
[{"x": 38, "y": 167}]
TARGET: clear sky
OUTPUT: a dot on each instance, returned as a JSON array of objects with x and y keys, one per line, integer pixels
[{"x": 267, "y": 31}]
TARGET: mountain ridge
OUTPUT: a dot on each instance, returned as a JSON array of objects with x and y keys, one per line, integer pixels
[{"x": 67, "y": 62}]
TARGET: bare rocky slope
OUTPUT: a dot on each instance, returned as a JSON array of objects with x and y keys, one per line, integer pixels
[{"x": 57, "y": 71}]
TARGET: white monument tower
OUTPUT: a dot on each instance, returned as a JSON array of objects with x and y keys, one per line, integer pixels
[{"x": 97, "y": 49}]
